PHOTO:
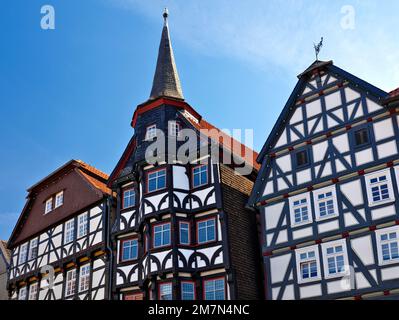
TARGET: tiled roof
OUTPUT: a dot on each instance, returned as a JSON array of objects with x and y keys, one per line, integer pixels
[
  {"x": 394, "y": 93},
  {"x": 99, "y": 185},
  {"x": 223, "y": 137},
  {"x": 93, "y": 169}
]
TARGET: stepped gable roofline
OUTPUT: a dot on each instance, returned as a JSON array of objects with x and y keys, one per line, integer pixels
[{"x": 152, "y": 104}]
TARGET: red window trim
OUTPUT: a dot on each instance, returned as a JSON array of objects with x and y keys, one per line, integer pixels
[
  {"x": 123, "y": 197},
  {"x": 162, "y": 284},
  {"x": 213, "y": 279},
  {"x": 197, "y": 230},
  {"x": 133, "y": 294},
  {"x": 189, "y": 233},
  {"x": 181, "y": 288},
  {"x": 153, "y": 235},
  {"x": 121, "y": 248},
  {"x": 153, "y": 171},
  {"x": 192, "y": 175}
]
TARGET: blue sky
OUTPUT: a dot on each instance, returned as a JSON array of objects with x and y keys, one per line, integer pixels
[{"x": 71, "y": 92}]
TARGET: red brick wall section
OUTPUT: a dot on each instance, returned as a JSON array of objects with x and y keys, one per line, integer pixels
[{"x": 245, "y": 251}]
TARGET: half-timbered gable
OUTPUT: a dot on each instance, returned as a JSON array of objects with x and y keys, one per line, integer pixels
[
  {"x": 171, "y": 237},
  {"x": 327, "y": 189},
  {"x": 59, "y": 244}
]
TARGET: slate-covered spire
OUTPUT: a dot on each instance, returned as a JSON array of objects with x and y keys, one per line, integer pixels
[{"x": 166, "y": 79}]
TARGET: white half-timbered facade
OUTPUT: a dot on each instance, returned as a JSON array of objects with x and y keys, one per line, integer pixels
[
  {"x": 173, "y": 234},
  {"x": 57, "y": 252},
  {"x": 328, "y": 191}
]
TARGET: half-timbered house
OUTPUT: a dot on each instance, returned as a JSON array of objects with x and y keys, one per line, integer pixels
[
  {"x": 182, "y": 230},
  {"x": 328, "y": 190},
  {"x": 60, "y": 244}
]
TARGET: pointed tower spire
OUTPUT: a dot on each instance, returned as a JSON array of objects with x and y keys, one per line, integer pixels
[{"x": 166, "y": 79}]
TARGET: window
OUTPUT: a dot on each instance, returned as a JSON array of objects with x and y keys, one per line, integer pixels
[
  {"x": 165, "y": 291},
  {"x": 174, "y": 129},
  {"x": 48, "y": 206},
  {"x": 325, "y": 203},
  {"x": 200, "y": 175},
  {"x": 133, "y": 296},
  {"x": 335, "y": 258},
  {"x": 151, "y": 132},
  {"x": 300, "y": 209},
  {"x": 129, "y": 198},
  {"x": 23, "y": 253},
  {"x": 69, "y": 231},
  {"x": 379, "y": 187},
  {"x": 302, "y": 158},
  {"x": 83, "y": 225},
  {"x": 187, "y": 290},
  {"x": 70, "y": 283},
  {"x": 59, "y": 199},
  {"x": 161, "y": 235},
  {"x": 206, "y": 230},
  {"x": 22, "y": 294},
  {"x": 33, "y": 291},
  {"x": 308, "y": 264},
  {"x": 184, "y": 233},
  {"x": 388, "y": 245},
  {"x": 361, "y": 137},
  {"x": 129, "y": 249},
  {"x": 84, "y": 278},
  {"x": 156, "y": 180},
  {"x": 33, "y": 249},
  {"x": 214, "y": 289}
]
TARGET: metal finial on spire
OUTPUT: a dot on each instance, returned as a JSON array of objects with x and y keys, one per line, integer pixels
[
  {"x": 165, "y": 15},
  {"x": 317, "y": 48}
]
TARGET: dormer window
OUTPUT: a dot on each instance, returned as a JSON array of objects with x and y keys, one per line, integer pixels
[
  {"x": 59, "y": 199},
  {"x": 48, "y": 206},
  {"x": 174, "y": 129},
  {"x": 151, "y": 132}
]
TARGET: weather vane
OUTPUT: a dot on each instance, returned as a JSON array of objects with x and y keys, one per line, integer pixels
[
  {"x": 165, "y": 15},
  {"x": 317, "y": 48}
]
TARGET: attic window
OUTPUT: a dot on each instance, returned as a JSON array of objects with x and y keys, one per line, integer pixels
[
  {"x": 151, "y": 132},
  {"x": 48, "y": 206},
  {"x": 59, "y": 199},
  {"x": 361, "y": 137},
  {"x": 302, "y": 158},
  {"x": 174, "y": 129}
]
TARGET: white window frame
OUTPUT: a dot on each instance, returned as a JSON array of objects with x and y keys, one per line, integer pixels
[
  {"x": 344, "y": 253},
  {"x": 23, "y": 253},
  {"x": 378, "y": 234},
  {"x": 23, "y": 293},
  {"x": 317, "y": 201},
  {"x": 33, "y": 288},
  {"x": 58, "y": 202},
  {"x": 31, "y": 247},
  {"x": 84, "y": 277},
  {"x": 83, "y": 225},
  {"x": 298, "y": 253},
  {"x": 68, "y": 237},
  {"x": 48, "y": 207},
  {"x": 175, "y": 129},
  {"x": 70, "y": 283},
  {"x": 309, "y": 206},
  {"x": 151, "y": 132},
  {"x": 368, "y": 177}
]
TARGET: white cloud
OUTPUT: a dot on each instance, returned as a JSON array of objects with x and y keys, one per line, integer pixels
[{"x": 278, "y": 36}]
